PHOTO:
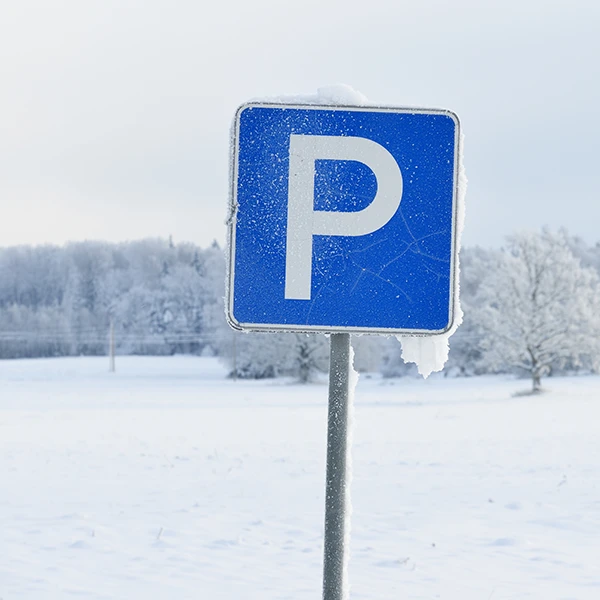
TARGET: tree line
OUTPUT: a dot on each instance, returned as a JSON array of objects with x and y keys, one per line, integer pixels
[
  {"x": 531, "y": 307},
  {"x": 59, "y": 301}
]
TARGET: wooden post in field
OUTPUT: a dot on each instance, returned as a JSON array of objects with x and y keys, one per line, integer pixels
[
  {"x": 111, "y": 346},
  {"x": 234, "y": 348}
]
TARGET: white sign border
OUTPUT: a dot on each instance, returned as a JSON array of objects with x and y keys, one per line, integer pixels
[{"x": 232, "y": 222}]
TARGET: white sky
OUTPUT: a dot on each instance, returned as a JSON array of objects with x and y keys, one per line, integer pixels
[{"x": 115, "y": 114}]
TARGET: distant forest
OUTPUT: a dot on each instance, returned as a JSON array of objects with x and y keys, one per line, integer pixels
[
  {"x": 59, "y": 301},
  {"x": 533, "y": 306}
]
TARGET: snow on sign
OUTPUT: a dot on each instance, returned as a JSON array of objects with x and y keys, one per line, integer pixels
[{"x": 343, "y": 219}]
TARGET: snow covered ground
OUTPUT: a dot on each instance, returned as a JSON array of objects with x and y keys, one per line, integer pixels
[{"x": 166, "y": 481}]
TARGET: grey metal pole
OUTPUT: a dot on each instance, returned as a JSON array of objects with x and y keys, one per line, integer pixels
[{"x": 336, "y": 489}]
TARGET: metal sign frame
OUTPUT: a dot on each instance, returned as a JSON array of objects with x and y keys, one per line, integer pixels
[{"x": 233, "y": 211}]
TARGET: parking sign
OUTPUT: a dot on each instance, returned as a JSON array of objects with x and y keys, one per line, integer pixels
[{"x": 342, "y": 219}]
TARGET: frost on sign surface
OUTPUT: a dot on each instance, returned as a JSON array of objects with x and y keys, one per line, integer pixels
[{"x": 344, "y": 219}]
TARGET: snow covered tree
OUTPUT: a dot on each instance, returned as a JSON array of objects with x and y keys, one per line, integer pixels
[
  {"x": 465, "y": 356},
  {"x": 264, "y": 355},
  {"x": 215, "y": 325},
  {"x": 392, "y": 364},
  {"x": 589, "y": 255},
  {"x": 537, "y": 307},
  {"x": 306, "y": 355},
  {"x": 253, "y": 355},
  {"x": 368, "y": 352}
]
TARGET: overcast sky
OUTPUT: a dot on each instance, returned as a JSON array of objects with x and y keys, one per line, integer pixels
[{"x": 115, "y": 114}]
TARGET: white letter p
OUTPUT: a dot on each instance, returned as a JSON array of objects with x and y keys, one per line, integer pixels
[{"x": 304, "y": 222}]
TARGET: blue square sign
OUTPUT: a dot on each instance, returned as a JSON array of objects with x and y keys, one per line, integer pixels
[{"x": 342, "y": 219}]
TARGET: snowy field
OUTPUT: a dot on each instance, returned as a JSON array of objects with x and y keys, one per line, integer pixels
[{"x": 166, "y": 481}]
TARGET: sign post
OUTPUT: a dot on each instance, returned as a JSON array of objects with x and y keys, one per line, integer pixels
[
  {"x": 342, "y": 220},
  {"x": 337, "y": 492}
]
